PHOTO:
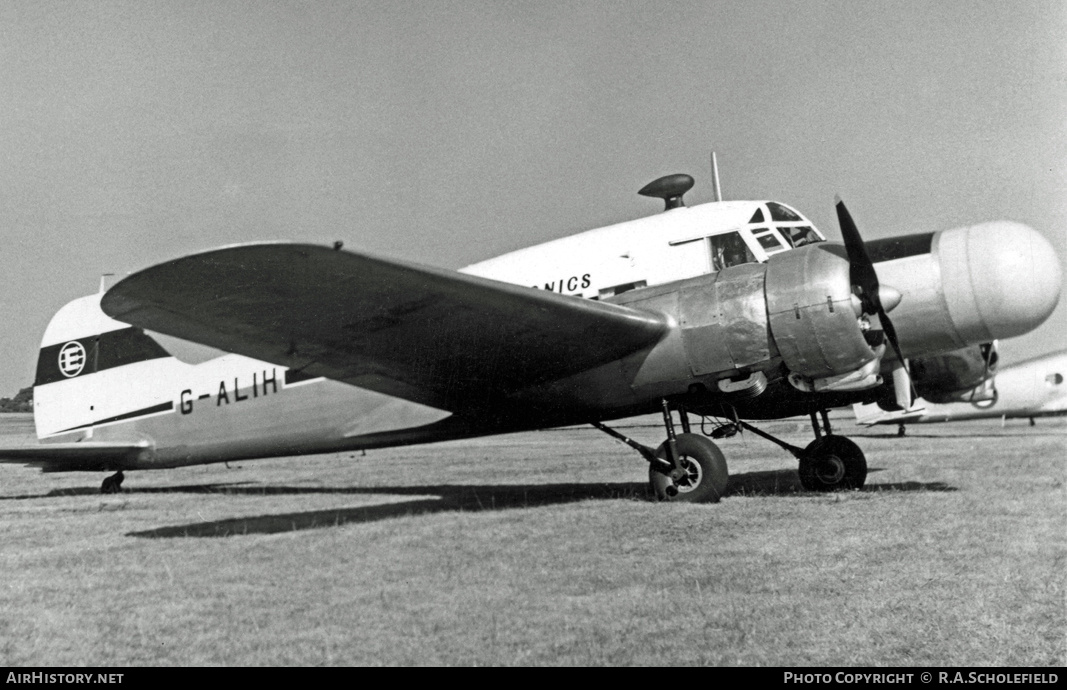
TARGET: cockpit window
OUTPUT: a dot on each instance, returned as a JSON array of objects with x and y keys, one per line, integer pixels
[
  {"x": 779, "y": 212},
  {"x": 757, "y": 217},
  {"x": 768, "y": 239},
  {"x": 800, "y": 235},
  {"x": 729, "y": 250}
]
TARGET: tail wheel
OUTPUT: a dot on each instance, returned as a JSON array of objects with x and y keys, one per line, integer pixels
[
  {"x": 832, "y": 463},
  {"x": 705, "y": 467},
  {"x": 113, "y": 484}
]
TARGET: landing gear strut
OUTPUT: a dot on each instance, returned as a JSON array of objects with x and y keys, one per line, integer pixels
[
  {"x": 113, "y": 484},
  {"x": 690, "y": 467},
  {"x": 686, "y": 467},
  {"x": 832, "y": 463},
  {"x": 829, "y": 463},
  {"x": 705, "y": 475}
]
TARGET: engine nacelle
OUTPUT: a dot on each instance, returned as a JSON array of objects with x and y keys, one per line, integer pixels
[
  {"x": 746, "y": 320},
  {"x": 738, "y": 331},
  {"x": 963, "y": 375},
  {"x": 968, "y": 285}
]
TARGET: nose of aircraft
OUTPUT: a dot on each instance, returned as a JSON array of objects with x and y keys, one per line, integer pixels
[{"x": 1000, "y": 279}]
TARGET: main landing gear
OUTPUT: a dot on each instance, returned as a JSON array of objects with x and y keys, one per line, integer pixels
[
  {"x": 113, "y": 484},
  {"x": 690, "y": 467},
  {"x": 686, "y": 467}
]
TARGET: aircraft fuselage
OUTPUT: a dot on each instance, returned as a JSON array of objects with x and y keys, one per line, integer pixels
[{"x": 761, "y": 320}]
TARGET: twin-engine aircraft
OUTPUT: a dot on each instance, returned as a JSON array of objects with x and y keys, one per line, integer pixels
[
  {"x": 1027, "y": 390},
  {"x": 740, "y": 310}
]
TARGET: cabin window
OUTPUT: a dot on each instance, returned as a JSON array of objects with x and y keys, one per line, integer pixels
[
  {"x": 729, "y": 250},
  {"x": 780, "y": 212},
  {"x": 757, "y": 217},
  {"x": 1054, "y": 379},
  {"x": 619, "y": 289}
]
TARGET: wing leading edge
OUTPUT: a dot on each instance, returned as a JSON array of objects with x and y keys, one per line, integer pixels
[{"x": 437, "y": 337}]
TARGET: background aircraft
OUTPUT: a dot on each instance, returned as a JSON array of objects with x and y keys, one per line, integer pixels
[
  {"x": 735, "y": 309},
  {"x": 1030, "y": 389}
]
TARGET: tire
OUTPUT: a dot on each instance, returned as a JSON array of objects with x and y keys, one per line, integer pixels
[
  {"x": 112, "y": 484},
  {"x": 706, "y": 467},
  {"x": 832, "y": 463}
]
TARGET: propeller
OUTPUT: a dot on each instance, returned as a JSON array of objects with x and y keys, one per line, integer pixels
[
  {"x": 873, "y": 297},
  {"x": 989, "y": 360}
]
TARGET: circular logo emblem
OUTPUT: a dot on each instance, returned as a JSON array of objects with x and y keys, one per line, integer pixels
[{"x": 71, "y": 359}]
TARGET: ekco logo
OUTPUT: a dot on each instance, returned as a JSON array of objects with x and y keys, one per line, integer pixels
[{"x": 72, "y": 359}]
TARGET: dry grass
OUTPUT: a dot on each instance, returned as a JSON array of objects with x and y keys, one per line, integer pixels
[{"x": 543, "y": 548}]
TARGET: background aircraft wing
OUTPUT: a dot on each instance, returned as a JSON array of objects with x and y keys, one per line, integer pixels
[
  {"x": 869, "y": 414},
  {"x": 79, "y": 456},
  {"x": 434, "y": 336}
]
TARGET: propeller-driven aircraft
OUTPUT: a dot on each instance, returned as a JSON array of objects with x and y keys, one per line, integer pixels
[
  {"x": 739, "y": 310},
  {"x": 1031, "y": 389}
]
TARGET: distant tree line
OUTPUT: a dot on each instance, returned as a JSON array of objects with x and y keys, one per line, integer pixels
[{"x": 23, "y": 402}]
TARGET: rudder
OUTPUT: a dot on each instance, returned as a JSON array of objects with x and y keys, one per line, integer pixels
[{"x": 93, "y": 370}]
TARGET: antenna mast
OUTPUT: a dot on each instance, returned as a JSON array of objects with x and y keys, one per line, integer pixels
[{"x": 715, "y": 176}]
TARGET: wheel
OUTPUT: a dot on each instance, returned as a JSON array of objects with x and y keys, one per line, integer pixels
[
  {"x": 832, "y": 463},
  {"x": 706, "y": 473}
]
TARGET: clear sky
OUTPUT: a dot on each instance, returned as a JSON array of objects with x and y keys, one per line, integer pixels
[{"x": 449, "y": 132}]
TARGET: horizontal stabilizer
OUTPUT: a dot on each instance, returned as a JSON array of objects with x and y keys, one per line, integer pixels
[
  {"x": 437, "y": 337},
  {"x": 83, "y": 456}
]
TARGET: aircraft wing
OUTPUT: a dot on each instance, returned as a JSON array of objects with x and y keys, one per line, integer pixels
[
  {"x": 77, "y": 456},
  {"x": 437, "y": 337}
]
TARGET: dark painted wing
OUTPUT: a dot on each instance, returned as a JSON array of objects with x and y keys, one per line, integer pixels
[
  {"x": 430, "y": 335},
  {"x": 83, "y": 456}
]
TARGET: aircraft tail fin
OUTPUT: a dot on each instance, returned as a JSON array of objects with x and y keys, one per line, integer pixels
[{"x": 93, "y": 371}]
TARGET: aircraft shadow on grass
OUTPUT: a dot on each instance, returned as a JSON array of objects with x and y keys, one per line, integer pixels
[{"x": 459, "y": 498}]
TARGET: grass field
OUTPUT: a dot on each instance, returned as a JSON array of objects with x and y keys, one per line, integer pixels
[{"x": 543, "y": 548}]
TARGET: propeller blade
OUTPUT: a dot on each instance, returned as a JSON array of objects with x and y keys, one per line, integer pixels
[
  {"x": 861, "y": 273},
  {"x": 890, "y": 334},
  {"x": 864, "y": 281},
  {"x": 903, "y": 387},
  {"x": 990, "y": 355}
]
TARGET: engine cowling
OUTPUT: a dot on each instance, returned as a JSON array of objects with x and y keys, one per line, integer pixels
[
  {"x": 969, "y": 285},
  {"x": 797, "y": 315},
  {"x": 738, "y": 326},
  {"x": 824, "y": 339}
]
